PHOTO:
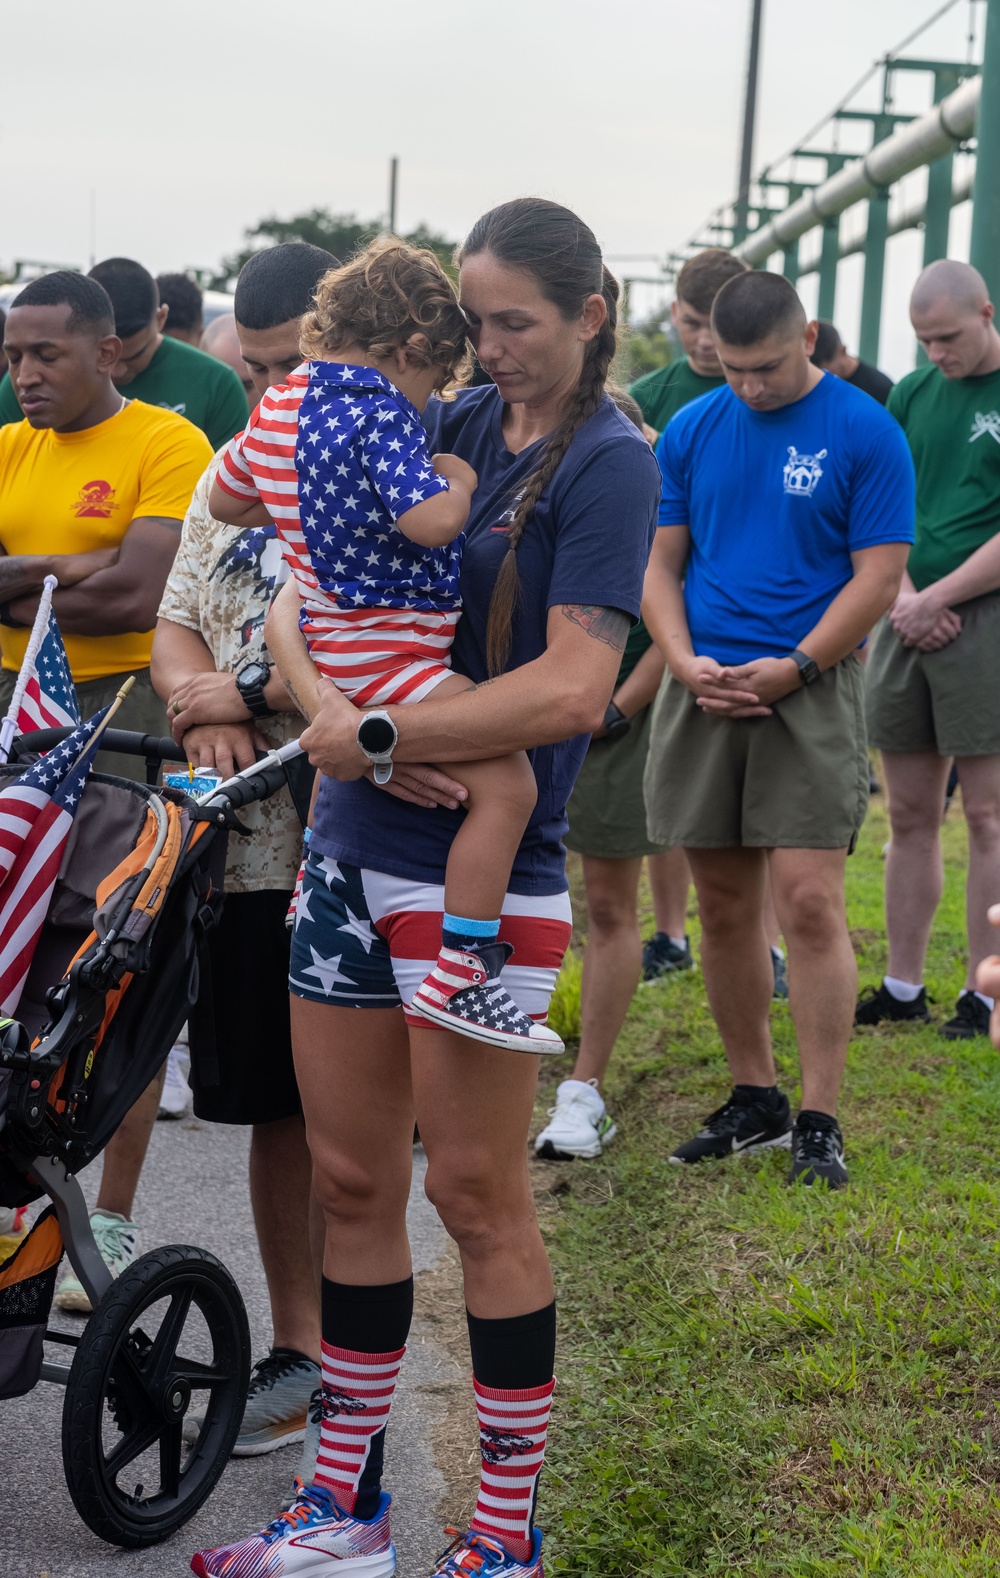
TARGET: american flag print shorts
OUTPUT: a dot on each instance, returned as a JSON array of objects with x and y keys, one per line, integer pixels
[
  {"x": 381, "y": 657},
  {"x": 366, "y": 940}
]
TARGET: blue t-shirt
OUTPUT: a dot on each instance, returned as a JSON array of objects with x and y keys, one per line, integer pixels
[
  {"x": 588, "y": 541},
  {"x": 776, "y": 502},
  {"x": 362, "y": 461}
]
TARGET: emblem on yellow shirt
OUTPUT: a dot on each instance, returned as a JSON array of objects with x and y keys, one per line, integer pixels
[{"x": 96, "y": 498}]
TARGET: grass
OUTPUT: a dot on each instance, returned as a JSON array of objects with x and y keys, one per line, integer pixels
[{"x": 758, "y": 1380}]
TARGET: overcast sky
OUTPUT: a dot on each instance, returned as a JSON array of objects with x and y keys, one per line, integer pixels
[{"x": 180, "y": 125}]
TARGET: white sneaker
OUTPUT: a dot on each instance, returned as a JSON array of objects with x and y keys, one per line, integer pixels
[
  {"x": 118, "y": 1243},
  {"x": 580, "y": 1123},
  {"x": 175, "y": 1097}
]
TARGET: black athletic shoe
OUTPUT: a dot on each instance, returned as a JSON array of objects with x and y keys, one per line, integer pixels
[
  {"x": 817, "y": 1151},
  {"x": 972, "y": 1018},
  {"x": 780, "y": 973},
  {"x": 660, "y": 956},
  {"x": 739, "y": 1125},
  {"x": 877, "y": 1004}
]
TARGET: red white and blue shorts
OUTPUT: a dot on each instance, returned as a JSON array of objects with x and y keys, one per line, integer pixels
[
  {"x": 380, "y": 657},
  {"x": 366, "y": 940}
]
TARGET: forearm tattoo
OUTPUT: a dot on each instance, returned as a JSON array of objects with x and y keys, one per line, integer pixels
[{"x": 609, "y": 625}]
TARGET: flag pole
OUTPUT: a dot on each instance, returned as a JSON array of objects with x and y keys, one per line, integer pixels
[
  {"x": 119, "y": 698},
  {"x": 8, "y": 728}
]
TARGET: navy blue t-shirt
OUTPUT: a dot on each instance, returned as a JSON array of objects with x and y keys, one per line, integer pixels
[
  {"x": 588, "y": 541},
  {"x": 776, "y": 502}
]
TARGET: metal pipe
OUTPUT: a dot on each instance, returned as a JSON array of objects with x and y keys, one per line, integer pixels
[
  {"x": 984, "y": 246},
  {"x": 921, "y": 142},
  {"x": 907, "y": 219}
]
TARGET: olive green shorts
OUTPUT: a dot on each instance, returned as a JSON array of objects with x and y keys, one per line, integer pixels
[
  {"x": 795, "y": 780},
  {"x": 946, "y": 701},
  {"x": 142, "y": 710},
  {"x": 607, "y": 813}
]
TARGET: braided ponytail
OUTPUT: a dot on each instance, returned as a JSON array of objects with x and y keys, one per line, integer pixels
[{"x": 561, "y": 253}]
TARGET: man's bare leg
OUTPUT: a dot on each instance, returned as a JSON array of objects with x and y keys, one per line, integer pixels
[
  {"x": 808, "y": 887},
  {"x": 281, "y": 1195},
  {"x": 915, "y": 784},
  {"x": 125, "y": 1152},
  {"x": 979, "y": 777},
  {"x": 670, "y": 884},
  {"x": 612, "y": 962},
  {"x": 735, "y": 958}
]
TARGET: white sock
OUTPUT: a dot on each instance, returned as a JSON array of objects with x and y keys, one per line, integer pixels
[
  {"x": 989, "y": 1001},
  {"x": 902, "y": 991},
  {"x": 678, "y": 942},
  {"x": 571, "y": 1086}
]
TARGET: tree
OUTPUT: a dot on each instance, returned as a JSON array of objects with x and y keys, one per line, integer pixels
[{"x": 341, "y": 234}]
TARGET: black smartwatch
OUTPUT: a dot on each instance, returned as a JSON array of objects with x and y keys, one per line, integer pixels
[
  {"x": 616, "y": 725},
  {"x": 809, "y": 670},
  {"x": 250, "y": 682},
  {"x": 377, "y": 736}
]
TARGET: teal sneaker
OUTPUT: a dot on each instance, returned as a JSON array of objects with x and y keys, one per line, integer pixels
[
  {"x": 118, "y": 1243},
  {"x": 277, "y": 1405}
]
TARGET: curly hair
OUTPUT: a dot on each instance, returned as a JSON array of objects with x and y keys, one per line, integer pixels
[{"x": 390, "y": 295}]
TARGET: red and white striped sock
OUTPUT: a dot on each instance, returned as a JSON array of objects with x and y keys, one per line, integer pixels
[
  {"x": 357, "y": 1396},
  {"x": 512, "y": 1429}
]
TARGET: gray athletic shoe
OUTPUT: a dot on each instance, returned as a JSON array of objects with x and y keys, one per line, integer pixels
[
  {"x": 306, "y": 1472},
  {"x": 277, "y": 1405}
]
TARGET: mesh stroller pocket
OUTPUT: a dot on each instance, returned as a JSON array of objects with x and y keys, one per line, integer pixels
[{"x": 27, "y": 1282}]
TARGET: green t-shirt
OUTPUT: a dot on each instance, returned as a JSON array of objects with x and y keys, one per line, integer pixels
[
  {"x": 952, "y": 426},
  {"x": 179, "y": 378},
  {"x": 662, "y": 392}
]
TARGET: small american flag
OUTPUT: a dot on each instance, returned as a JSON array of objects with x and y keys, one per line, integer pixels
[
  {"x": 36, "y": 814},
  {"x": 49, "y": 700}
]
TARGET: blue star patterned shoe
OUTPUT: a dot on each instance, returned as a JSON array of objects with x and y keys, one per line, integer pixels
[
  {"x": 313, "y": 1539},
  {"x": 463, "y": 992},
  {"x": 477, "y": 1556}
]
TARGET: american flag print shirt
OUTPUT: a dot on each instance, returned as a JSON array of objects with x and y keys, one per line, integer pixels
[{"x": 337, "y": 454}]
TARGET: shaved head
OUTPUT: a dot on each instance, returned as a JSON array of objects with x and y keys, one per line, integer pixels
[
  {"x": 952, "y": 317},
  {"x": 961, "y": 285}
]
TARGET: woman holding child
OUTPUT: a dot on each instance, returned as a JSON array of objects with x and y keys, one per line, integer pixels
[{"x": 550, "y": 573}]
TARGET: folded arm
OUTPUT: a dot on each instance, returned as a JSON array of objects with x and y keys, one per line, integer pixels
[
  {"x": 122, "y": 597},
  {"x": 22, "y": 574}
]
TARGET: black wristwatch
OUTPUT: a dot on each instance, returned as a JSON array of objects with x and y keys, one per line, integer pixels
[
  {"x": 250, "y": 682},
  {"x": 616, "y": 725},
  {"x": 809, "y": 669}
]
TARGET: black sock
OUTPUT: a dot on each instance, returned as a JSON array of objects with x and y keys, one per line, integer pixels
[
  {"x": 516, "y": 1352},
  {"x": 765, "y": 1095},
  {"x": 368, "y": 1320}
]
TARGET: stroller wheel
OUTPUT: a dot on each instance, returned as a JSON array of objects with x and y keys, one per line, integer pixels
[{"x": 169, "y": 1334}]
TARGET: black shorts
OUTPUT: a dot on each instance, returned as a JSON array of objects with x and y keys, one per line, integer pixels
[{"x": 239, "y": 1032}]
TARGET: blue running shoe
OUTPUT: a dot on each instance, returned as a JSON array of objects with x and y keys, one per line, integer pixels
[
  {"x": 314, "y": 1539},
  {"x": 475, "y": 1555}
]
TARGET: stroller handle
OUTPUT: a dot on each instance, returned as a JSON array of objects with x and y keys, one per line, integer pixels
[{"x": 127, "y": 742}]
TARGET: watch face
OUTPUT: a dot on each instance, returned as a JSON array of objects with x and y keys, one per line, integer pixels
[
  {"x": 376, "y": 735},
  {"x": 253, "y": 675}
]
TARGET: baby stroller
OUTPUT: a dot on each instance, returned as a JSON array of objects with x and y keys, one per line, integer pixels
[{"x": 114, "y": 975}]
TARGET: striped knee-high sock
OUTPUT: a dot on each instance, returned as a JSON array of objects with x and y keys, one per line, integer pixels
[
  {"x": 357, "y": 1396},
  {"x": 512, "y": 1430}
]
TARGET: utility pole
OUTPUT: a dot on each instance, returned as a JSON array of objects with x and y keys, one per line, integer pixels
[
  {"x": 984, "y": 248},
  {"x": 393, "y": 173},
  {"x": 749, "y": 123}
]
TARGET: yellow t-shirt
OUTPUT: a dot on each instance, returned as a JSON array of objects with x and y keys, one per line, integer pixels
[{"x": 70, "y": 492}]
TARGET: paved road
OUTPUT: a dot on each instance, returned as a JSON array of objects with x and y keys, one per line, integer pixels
[{"x": 194, "y": 1191}]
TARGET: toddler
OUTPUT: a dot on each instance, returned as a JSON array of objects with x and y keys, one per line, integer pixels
[{"x": 371, "y": 526}]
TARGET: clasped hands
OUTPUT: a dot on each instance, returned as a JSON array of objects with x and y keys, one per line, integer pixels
[
  {"x": 331, "y": 741},
  {"x": 920, "y": 620},
  {"x": 744, "y": 690}
]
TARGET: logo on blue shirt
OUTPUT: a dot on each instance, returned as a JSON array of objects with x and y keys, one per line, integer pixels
[{"x": 802, "y": 472}]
